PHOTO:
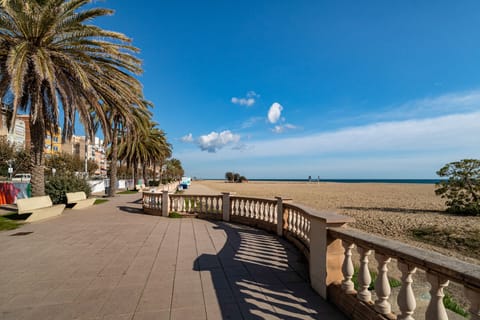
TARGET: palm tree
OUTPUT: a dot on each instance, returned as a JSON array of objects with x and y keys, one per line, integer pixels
[
  {"x": 144, "y": 148},
  {"x": 122, "y": 129},
  {"x": 50, "y": 58}
]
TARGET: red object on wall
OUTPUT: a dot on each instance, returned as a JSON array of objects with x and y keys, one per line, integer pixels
[{"x": 8, "y": 193}]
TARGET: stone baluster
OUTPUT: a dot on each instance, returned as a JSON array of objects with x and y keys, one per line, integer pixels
[
  {"x": 300, "y": 226},
  {"x": 406, "y": 298},
  {"x": 364, "y": 278},
  {"x": 347, "y": 268},
  {"x": 474, "y": 298},
  {"x": 436, "y": 309},
  {"x": 382, "y": 286}
]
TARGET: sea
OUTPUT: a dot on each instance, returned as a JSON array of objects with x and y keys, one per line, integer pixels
[{"x": 417, "y": 181}]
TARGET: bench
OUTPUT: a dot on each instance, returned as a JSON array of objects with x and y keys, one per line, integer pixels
[
  {"x": 80, "y": 200},
  {"x": 39, "y": 207}
]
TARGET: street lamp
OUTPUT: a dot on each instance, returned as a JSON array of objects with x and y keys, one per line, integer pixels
[{"x": 10, "y": 168}]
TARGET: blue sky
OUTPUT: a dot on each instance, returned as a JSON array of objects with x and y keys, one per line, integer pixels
[{"x": 288, "y": 89}]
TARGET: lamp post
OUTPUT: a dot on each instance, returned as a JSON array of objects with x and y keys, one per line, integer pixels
[{"x": 10, "y": 168}]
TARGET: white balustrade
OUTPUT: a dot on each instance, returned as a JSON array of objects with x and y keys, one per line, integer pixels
[
  {"x": 406, "y": 297},
  {"x": 382, "y": 285},
  {"x": 436, "y": 309},
  {"x": 347, "y": 268},
  {"x": 295, "y": 222},
  {"x": 364, "y": 278}
]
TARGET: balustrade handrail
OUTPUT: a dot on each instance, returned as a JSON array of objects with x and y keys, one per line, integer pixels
[
  {"x": 325, "y": 216},
  {"x": 270, "y": 201},
  {"x": 433, "y": 262}
]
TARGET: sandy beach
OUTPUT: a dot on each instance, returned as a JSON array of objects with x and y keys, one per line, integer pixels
[{"x": 390, "y": 210}]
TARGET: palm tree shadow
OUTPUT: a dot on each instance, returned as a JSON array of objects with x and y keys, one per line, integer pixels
[
  {"x": 257, "y": 275},
  {"x": 134, "y": 210}
]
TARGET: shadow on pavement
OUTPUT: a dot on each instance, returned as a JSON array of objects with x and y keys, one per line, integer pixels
[{"x": 257, "y": 275}]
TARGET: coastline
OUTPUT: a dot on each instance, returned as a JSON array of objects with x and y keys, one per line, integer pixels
[{"x": 392, "y": 210}]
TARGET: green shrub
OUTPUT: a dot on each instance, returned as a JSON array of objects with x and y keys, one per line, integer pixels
[
  {"x": 373, "y": 275},
  {"x": 57, "y": 187},
  {"x": 174, "y": 215},
  {"x": 450, "y": 303},
  {"x": 153, "y": 183},
  {"x": 462, "y": 189}
]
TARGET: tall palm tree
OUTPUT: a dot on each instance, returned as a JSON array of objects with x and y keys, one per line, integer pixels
[
  {"x": 144, "y": 149},
  {"x": 122, "y": 129},
  {"x": 50, "y": 58}
]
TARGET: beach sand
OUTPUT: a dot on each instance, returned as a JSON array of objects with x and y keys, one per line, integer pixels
[{"x": 386, "y": 209}]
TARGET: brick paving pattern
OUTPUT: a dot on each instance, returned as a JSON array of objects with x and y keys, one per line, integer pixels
[{"x": 113, "y": 262}]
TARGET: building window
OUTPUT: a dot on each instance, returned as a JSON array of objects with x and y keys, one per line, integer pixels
[
  {"x": 55, "y": 139},
  {"x": 55, "y": 148}
]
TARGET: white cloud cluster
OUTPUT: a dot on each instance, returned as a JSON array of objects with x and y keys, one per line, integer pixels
[
  {"x": 188, "y": 138},
  {"x": 275, "y": 112},
  {"x": 248, "y": 101},
  {"x": 214, "y": 141}
]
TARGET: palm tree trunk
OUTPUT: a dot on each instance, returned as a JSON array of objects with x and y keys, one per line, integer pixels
[
  {"x": 37, "y": 161},
  {"x": 135, "y": 169},
  {"x": 113, "y": 162},
  {"x": 144, "y": 173}
]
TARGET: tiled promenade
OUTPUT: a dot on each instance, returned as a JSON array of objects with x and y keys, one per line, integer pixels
[{"x": 113, "y": 262}]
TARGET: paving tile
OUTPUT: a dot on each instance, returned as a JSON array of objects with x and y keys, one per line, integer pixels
[
  {"x": 157, "y": 299},
  {"x": 153, "y": 315},
  {"x": 123, "y": 300},
  {"x": 223, "y": 311},
  {"x": 189, "y": 313}
]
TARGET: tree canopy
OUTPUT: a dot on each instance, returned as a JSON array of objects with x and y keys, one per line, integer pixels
[{"x": 462, "y": 188}]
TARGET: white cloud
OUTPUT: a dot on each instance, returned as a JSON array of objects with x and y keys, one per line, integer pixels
[
  {"x": 188, "y": 138},
  {"x": 283, "y": 128},
  {"x": 251, "y": 122},
  {"x": 453, "y": 135},
  {"x": 274, "y": 112},
  {"x": 248, "y": 101},
  {"x": 451, "y": 103},
  {"x": 214, "y": 141}
]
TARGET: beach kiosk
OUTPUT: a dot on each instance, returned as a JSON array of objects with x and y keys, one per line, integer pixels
[{"x": 185, "y": 182}]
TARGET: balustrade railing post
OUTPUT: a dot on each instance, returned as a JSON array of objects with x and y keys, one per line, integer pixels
[
  {"x": 226, "y": 206},
  {"x": 382, "y": 285},
  {"x": 326, "y": 255},
  {"x": 364, "y": 278},
  {"x": 165, "y": 204},
  {"x": 436, "y": 309},
  {"x": 279, "y": 216},
  {"x": 348, "y": 269},
  {"x": 406, "y": 298}
]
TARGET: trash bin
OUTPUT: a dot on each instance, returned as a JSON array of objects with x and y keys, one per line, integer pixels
[{"x": 107, "y": 191}]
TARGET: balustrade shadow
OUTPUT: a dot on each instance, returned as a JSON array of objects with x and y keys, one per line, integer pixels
[{"x": 257, "y": 275}]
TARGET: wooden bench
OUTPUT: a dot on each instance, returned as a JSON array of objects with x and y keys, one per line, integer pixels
[
  {"x": 80, "y": 200},
  {"x": 39, "y": 207}
]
